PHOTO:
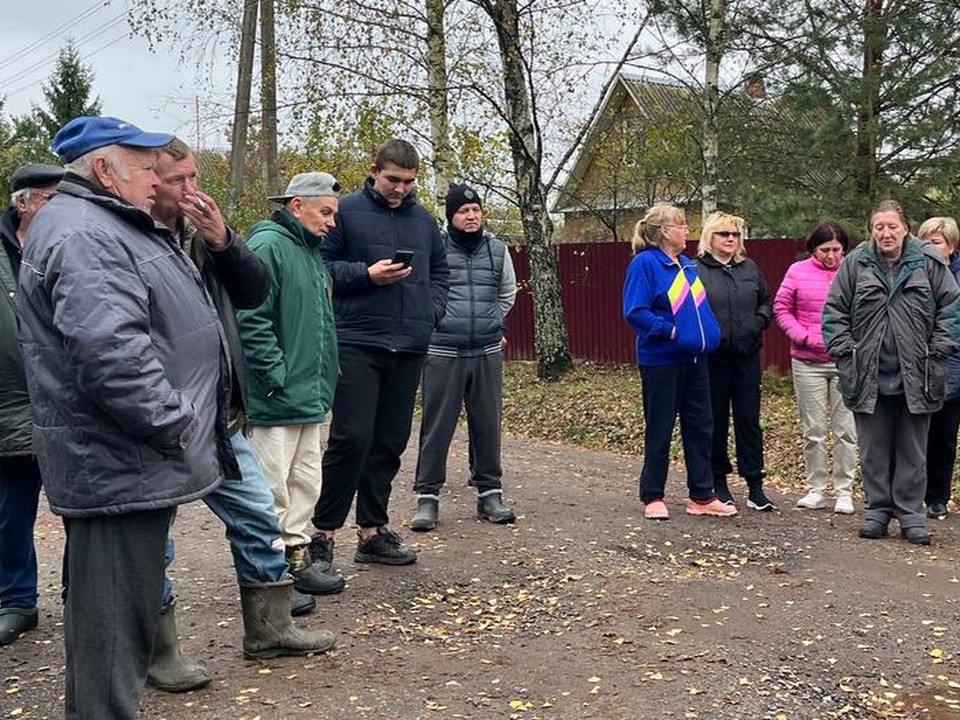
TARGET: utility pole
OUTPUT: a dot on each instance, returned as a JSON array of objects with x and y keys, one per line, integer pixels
[
  {"x": 268, "y": 95},
  {"x": 241, "y": 111}
]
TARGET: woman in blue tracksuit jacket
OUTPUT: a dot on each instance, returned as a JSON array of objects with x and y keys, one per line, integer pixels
[{"x": 666, "y": 305}]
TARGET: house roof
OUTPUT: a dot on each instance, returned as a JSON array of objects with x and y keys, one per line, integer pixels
[{"x": 654, "y": 99}]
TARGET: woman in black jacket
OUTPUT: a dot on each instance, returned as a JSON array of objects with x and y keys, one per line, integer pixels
[{"x": 741, "y": 301}]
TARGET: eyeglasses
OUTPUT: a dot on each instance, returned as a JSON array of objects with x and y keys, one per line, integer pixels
[{"x": 728, "y": 233}]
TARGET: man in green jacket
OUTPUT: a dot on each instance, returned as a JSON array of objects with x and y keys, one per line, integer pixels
[
  {"x": 32, "y": 186},
  {"x": 290, "y": 345}
]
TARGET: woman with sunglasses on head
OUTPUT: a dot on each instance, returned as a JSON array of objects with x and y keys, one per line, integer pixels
[
  {"x": 740, "y": 299},
  {"x": 798, "y": 307},
  {"x": 891, "y": 321},
  {"x": 665, "y": 304}
]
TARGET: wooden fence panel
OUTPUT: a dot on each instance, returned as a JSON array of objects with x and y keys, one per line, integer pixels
[{"x": 591, "y": 275}]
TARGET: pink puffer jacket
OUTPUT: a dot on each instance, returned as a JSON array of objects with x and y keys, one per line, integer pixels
[{"x": 798, "y": 307}]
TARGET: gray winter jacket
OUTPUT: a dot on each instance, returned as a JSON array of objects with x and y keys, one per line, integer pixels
[
  {"x": 919, "y": 305},
  {"x": 126, "y": 362},
  {"x": 483, "y": 287}
]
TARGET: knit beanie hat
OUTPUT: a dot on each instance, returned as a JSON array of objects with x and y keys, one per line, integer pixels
[{"x": 457, "y": 197}]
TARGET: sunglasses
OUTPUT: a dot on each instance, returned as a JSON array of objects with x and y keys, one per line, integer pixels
[{"x": 728, "y": 233}]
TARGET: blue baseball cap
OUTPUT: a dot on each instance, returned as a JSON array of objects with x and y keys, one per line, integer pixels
[{"x": 85, "y": 134}]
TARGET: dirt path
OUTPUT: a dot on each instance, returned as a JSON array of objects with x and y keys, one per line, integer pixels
[{"x": 581, "y": 610}]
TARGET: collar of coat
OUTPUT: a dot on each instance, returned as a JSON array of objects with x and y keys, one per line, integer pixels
[
  {"x": 914, "y": 251},
  {"x": 409, "y": 199},
  {"x": 79, "y": 187},
  {"x": 300, "y": 234}
]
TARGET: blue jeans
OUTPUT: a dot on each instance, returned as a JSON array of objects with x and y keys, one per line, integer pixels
[
  {"x": 252, "y": 527},
  {"x": 19, "y": 493}
]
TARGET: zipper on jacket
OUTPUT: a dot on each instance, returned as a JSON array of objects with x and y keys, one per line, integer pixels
[
  {"x": 473, "y": 318},
  {"x": 696, "y": 308}
]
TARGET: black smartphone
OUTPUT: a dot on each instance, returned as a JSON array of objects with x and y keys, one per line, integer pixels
[{"x": 403, "y": 256}]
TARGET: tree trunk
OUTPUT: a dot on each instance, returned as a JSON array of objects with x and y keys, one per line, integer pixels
[
  {"x": 439, "y": 111},
  {"x": 241, "y": 109},
  {"x": 874, "y": 40},
  {"x": 549, "y": 324},
  {"x": 711, "y": 94},
  {"x": 268, "y": 95}
]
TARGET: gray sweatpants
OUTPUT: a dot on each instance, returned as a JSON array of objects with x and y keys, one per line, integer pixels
[
  {"x": 448, "y": 384},
  {"x": 893, "y": 461},
  {"x": 115, "y": 588}
]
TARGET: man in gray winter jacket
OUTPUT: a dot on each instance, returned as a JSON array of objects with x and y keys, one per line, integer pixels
[
  {"x": 128, "y": 372},
  {"x": 464, "y": 364}
]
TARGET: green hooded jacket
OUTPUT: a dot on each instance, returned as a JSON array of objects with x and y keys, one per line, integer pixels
[{"x": 290, "y": 341}]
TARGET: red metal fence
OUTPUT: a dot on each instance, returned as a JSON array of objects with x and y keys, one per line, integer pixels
[{"x": 591, "y": 275}]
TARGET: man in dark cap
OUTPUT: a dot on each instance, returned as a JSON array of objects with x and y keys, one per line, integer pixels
[
  {"x": 129, "y": 379},
  {"x": 32, "y": 186},
  {"x": 465, "y": 364}
]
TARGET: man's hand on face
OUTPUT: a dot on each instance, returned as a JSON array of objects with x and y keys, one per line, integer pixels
[
  {"x": 202, "y": 211},
  {"x": 388, "y": 272}
]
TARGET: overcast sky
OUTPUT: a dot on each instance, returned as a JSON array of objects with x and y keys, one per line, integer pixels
[{"x": 149, "y": 89}]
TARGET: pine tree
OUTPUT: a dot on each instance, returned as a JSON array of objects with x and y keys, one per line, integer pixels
[{"x": 66, "y": 92}]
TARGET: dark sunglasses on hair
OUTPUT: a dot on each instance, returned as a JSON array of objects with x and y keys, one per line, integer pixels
[{"x": 728, "y": 233}]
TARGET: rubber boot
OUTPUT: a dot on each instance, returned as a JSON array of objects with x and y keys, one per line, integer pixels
[
  {"x": 169, "y": 669},
  {"x": 490, "y": 507},
  {"x": 428, "y": 513},
  {"x": 268, "y": 631}
]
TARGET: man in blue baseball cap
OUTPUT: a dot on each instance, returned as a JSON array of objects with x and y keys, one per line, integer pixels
[{"x": 129, "y": 378}]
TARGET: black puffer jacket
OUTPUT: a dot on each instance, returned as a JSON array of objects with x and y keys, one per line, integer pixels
[
  {"x": 740, "y": 299},
  {"x": 399, "y": 316},
  {"x": 236, "y": 279},
  {"x": 126, "y": 361}
]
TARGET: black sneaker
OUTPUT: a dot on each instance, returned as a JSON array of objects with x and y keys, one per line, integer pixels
[
  {"x": 915, "y": 535},
  {"x": 723, "y": 493},
  {"x": 385, "y": 548},
  {"x": 308, "y": 577},
  {"x": 757, "y": 500},
  {"x": 937, "y": 510}
]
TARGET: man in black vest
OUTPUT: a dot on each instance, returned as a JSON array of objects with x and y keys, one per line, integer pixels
[{"x": 465, "y": 364}]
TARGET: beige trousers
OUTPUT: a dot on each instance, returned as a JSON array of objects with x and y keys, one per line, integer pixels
[
  {"x": 290, "y": 456},
  {"x": 821, "y": 408}
]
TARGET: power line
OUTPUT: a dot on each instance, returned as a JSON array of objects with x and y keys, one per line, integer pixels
[
  {"x": 43, "y": 62},
  {"x": 89, "y": 55},
  {"x": 66, "y": 25}
]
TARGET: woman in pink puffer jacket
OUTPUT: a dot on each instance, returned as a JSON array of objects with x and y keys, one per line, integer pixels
[{"x": 797, "y": 308}]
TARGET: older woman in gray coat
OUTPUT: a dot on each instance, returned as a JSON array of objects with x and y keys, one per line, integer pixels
[{"x": 891, "y": 321}]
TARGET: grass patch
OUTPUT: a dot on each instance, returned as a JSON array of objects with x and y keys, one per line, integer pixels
[{"x": 598, "y": 406}]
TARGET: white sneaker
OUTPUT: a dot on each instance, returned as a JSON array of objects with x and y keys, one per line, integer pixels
[
  {"x": 844, "y": 505},
  {"x": 813, "y": 500}
]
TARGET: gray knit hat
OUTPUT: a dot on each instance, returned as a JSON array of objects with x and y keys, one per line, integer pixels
[{"x": 309, "y": 184}]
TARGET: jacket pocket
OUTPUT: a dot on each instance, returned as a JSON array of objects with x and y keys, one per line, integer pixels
[
  {"x": 849, "y": 376},
  {"x": 934, "y": 377}
]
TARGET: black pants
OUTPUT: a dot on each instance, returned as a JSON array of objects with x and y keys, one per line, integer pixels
[
  {"x": 942, "y": 451},
  {"x": 736, "y": 383},
  {"x": 449, "y": 383},
  {"x": 112, "y": 612},
  {"x": 372, "y": 413},
  {"x": 669, "y": 391}
]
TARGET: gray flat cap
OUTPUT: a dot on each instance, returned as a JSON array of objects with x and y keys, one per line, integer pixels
[
  {"x": 31, "y": 176},
  {"x": 309, "y": 184}
]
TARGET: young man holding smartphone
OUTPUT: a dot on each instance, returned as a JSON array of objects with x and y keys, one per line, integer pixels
[{"x": 386, "y": 310}]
